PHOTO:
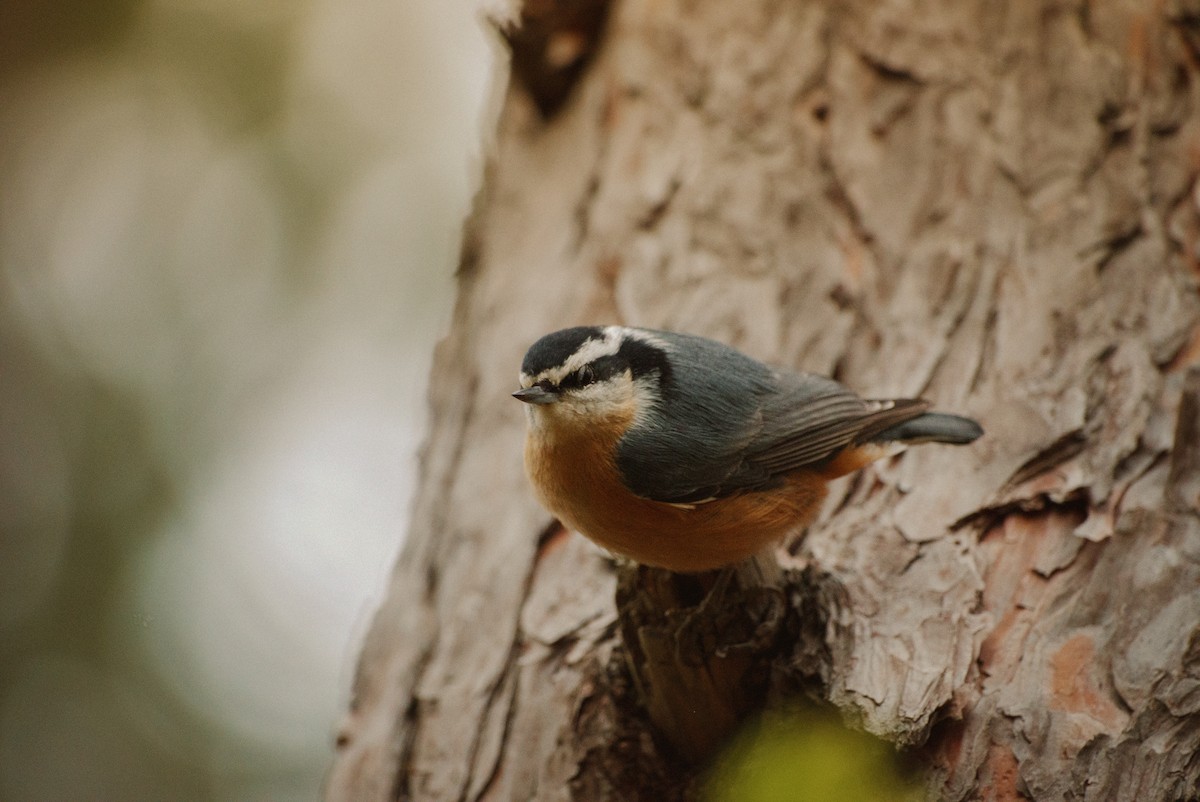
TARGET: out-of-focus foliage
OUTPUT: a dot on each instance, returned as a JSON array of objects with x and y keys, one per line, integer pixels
[
  {"x": 801, "y": 755},
  {"x": 226, "y": 237}
]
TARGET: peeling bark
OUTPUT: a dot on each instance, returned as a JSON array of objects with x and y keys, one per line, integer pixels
[{"x": 995, "y": 206}]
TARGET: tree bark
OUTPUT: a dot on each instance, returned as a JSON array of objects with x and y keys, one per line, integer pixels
[{"x": 994, "y": 206}]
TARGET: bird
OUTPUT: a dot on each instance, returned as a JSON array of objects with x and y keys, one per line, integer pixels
[{"x": 680, "y": 452}]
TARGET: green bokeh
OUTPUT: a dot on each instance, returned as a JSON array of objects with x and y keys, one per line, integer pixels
[{"x": 807, "y": 756}]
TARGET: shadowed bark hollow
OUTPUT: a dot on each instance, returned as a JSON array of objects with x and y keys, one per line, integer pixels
[{"x": 994, "y": 206}]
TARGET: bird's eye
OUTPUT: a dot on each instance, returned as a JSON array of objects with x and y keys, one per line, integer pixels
[{"x": 579, "y": 378}]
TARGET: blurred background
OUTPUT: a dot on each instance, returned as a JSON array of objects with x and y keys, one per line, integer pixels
[{"x": 227, "y": 232}]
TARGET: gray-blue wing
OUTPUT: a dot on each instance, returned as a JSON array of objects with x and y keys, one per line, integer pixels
[
  {"x": 735, "y": 424},
  {"x": 813, "y": 418}
]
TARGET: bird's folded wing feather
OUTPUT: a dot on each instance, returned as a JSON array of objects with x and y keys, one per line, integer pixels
[{"x": 793, "y": 421}]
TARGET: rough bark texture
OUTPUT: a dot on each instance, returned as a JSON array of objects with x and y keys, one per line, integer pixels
[{"x": 992, "y": 205}]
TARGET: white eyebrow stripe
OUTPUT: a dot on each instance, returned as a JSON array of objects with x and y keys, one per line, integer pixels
[
  {"x": 644, "y": 336},
  {"x": 592, "y": 350},
  {"x": 607, "y": 345}
]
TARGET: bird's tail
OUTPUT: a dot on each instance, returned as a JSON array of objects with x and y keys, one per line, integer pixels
[
  {"x": 897, "y": 425},
  {"x": 931, "y": 427}
]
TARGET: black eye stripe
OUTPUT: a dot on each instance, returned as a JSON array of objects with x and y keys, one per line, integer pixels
[
  {"x": 596, "y": 371},
  {"x": 606, "y": 367},
  {"x": 643, "y": 359},
  {"x": 578, "y": 378}
]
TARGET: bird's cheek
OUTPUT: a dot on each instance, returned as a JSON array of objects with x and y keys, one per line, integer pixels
[
  {"x": 540, "y": 416},
  {"x": 551, "y": 417}
]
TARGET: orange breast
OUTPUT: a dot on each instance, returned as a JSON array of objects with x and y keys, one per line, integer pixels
[{"x": 576, "y": 478}]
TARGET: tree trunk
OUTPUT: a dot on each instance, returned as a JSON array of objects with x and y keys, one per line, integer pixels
[{"x": 994, "y": 206}]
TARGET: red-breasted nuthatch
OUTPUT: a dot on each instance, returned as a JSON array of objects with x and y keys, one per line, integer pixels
[{"x": 680, "y": 452}]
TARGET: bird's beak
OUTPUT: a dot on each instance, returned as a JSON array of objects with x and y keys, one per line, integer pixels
[{"x": 535, "y": 395}]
